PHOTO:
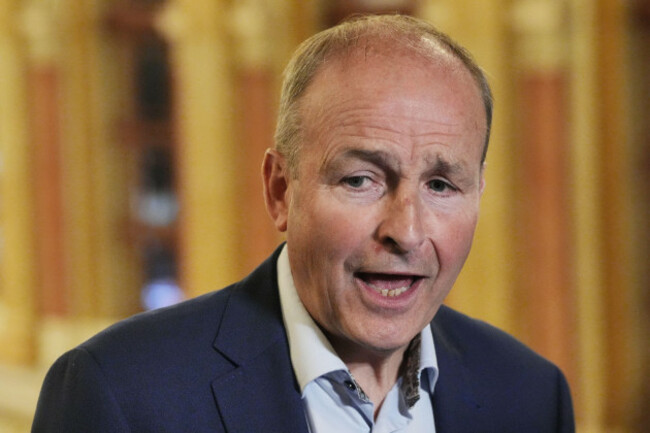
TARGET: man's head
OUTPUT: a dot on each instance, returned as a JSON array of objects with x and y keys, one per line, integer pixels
[
  {"x": 420, "y": 37},
  {"x": 381, "y": 200}
]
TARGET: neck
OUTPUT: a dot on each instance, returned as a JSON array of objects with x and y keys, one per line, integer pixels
[{"x": 375, "y": 371}]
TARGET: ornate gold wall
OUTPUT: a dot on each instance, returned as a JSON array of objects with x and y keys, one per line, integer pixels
[{"x": 554, "y": 260}]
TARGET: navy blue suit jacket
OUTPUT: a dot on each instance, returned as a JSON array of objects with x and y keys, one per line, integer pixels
[{"x": 220, "y": 363}]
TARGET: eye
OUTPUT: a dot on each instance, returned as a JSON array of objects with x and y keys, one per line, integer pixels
[
  {"x": 439, "y": 185},
  {"x": 356, "y": 181}
]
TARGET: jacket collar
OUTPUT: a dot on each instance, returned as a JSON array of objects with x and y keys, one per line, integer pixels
[
  {"x": 455, "y": 403},
  {"x": 252, "y": 337}
]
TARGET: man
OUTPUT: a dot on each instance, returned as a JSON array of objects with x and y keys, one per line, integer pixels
[{"x": 376, "y": 179}]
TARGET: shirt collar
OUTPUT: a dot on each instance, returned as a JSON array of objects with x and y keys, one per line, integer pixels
[{"x": 311, "y": 353}]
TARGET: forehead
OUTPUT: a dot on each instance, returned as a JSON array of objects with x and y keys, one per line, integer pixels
[
  {"x": 386, "y": 94},
  {"x": 385, "y": 55},
  {"x": 371, "y": 70}
]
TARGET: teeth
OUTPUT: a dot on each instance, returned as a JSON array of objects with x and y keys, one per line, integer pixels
[{"x": 392, "y": 292}]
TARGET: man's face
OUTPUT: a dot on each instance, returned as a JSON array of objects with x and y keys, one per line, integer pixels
[{"x": 381, "y": 214}]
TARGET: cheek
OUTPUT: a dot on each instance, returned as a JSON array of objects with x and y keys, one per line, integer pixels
[
  {"x": 338, "y": 227},
  {"x": 322, "y": 232},
  {"x": 454, "y": 240}
]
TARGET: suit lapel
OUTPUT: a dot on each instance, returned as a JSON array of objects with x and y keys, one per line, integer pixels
[
  {"x": 455, "y": 406},
  {"x": 260, "y": 396},
  {"x": 260, "y": 392}
]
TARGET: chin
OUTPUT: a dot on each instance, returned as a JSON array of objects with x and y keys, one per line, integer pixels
[{"x": 387, "y": 344}]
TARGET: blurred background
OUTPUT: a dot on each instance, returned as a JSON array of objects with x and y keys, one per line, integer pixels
[{"x": 132, "y": 132}]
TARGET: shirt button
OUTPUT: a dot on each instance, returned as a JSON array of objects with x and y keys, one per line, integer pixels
[{"x": 351, "y": 386}]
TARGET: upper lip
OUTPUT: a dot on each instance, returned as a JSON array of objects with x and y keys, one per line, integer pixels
[{"x": 389, "y": 274}]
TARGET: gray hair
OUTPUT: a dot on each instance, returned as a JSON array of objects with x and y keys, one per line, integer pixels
[{"x": 405, "y": 31}]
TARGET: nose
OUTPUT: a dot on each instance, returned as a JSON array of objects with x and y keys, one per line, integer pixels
[{"x": 401, "y": 228}]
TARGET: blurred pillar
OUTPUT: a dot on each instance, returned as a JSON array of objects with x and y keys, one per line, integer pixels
[
  {"x": 117, "y": 272},
  {"x": 256, "y": 49},
  {"x": 99, "y": 269},
  {"x": 602, "y": 202},
  {"x": 545, "y": 247},
  {"x": 84, "y": 264},
  {"x": 638, "y": 87},
  {"x": 75, "y": 59},
  {"x": 44, "y": 110},
  {"x": 616, "y": 165},
  {"x": 588, "y": 228},
  {"x": 202, "y": 66},
  {"x": 17, "y": 255}
]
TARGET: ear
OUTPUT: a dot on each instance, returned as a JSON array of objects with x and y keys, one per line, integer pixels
[
  {"x": 276, "y": 188},
  {"x": 481, "y": 186}
]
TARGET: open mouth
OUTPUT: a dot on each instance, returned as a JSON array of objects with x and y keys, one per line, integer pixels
[{"x": 388, "y": 285}]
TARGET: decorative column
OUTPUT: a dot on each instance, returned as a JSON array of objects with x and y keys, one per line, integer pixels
[
  {"x": 84, "y": 264},
  {"x": 99, "y": 265},
  {"x": 44, "y": 109},
  {"x": 17, "y": 255},
  {"x": 117, "y": 270},
  {"x": 207, "y": 174},
  {"x": 257, "y": 42},
  {"x": 588, "y": 225},
  {"x": 623, "y": 294},
  {"x": 638, "y": 83},
  {"x": 75, "y": 59},
  {"x": 544, "y": 244}
]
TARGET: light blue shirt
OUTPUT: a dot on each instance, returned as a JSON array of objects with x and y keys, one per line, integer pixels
[{"x": 332, "y": 400}]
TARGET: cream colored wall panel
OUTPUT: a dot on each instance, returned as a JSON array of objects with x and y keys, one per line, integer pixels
[
  {"x": 117, "y": 266},
  {"x": 77, "y": 126},
  {"x": 588, "y": 247},
  {"x": 17, "y": 256},
  {"x": 202, "y": 62}
]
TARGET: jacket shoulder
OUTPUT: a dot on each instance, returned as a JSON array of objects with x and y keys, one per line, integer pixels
[
  {"x": 514, "y": 388},
  {"x": 194, "y": 321},
  {"x": 472, "y": 339},
  {"x": 143, "y": 374}
]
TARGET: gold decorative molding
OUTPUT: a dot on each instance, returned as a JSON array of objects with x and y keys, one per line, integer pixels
[
  {"x": 541, "y": 29},
  {"x": 249, "y": 25},
  {"x": 587, "y": 228},
  {"x": 37, "y": 22},
  {"x": 202, "y": 65},
  {"x": 17, "y": 256},
  {"x": 171, "y": 21}
]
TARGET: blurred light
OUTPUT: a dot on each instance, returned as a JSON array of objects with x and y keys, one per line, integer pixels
[{"x": 161, "y": 292}]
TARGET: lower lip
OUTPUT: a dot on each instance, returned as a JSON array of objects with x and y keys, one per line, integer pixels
[{"x": 399, "y": 302}]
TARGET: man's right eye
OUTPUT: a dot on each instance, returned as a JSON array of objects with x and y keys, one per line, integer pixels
[{"x": 355, "y": 181}]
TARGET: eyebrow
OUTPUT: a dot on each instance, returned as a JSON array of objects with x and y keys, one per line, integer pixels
[
  {"x": 376, "y": 157},
  {"x": 442, "y": 166},
  {"x": 438, "y": 164}
]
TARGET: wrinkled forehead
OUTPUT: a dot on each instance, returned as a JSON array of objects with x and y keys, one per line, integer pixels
[
  {"x": 384, "y": 93},
  {"x": 386, "y": 67},
  {"x": 387, "y": 57}
]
